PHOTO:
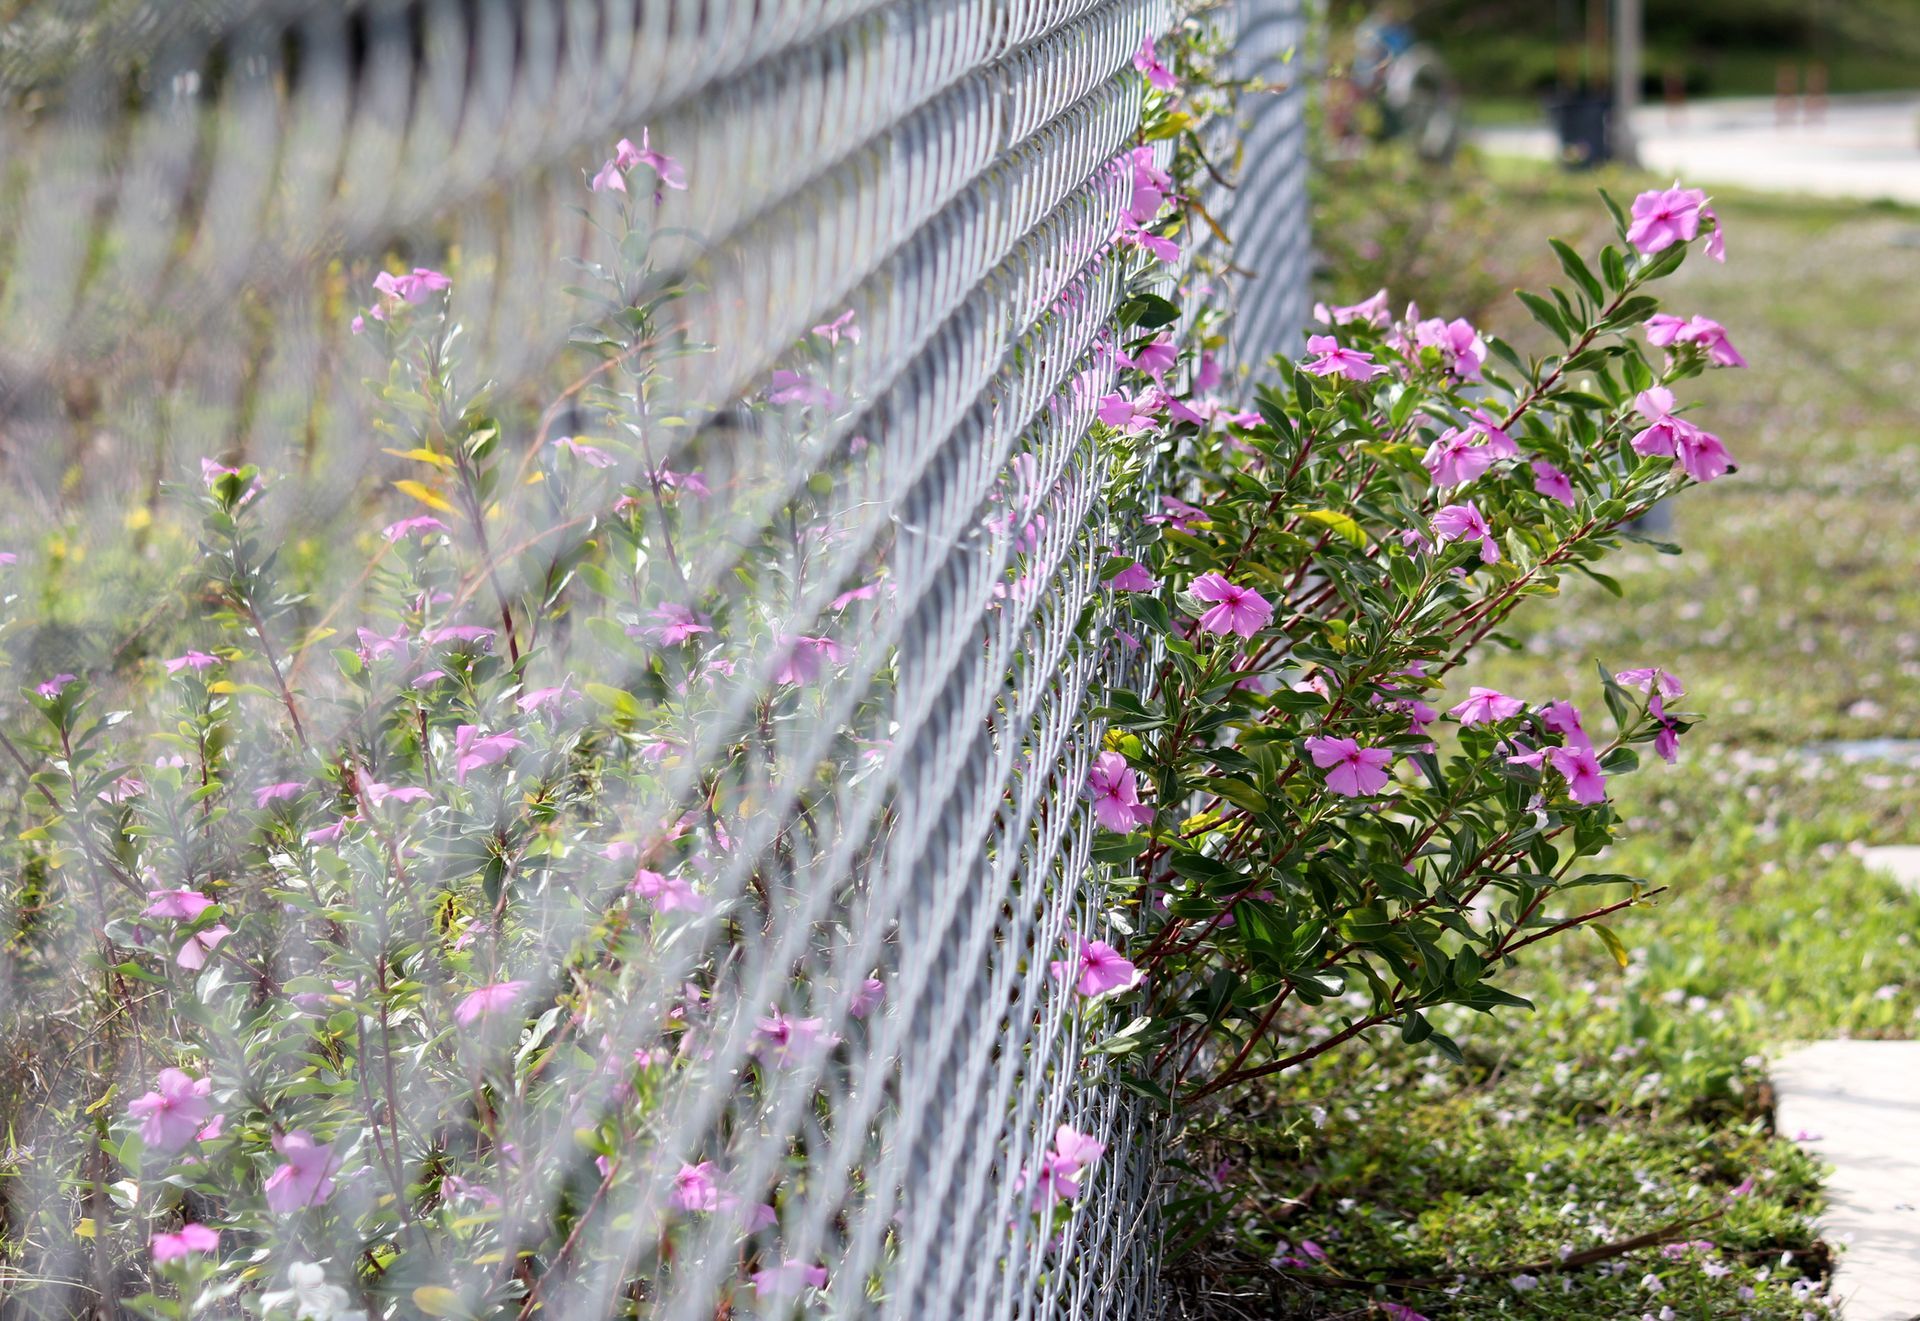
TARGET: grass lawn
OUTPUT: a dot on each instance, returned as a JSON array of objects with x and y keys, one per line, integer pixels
[{"x": 1635, "y": 1100}]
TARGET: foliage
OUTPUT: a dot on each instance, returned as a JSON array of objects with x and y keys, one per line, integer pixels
[{"x": 1319, "y": 580}]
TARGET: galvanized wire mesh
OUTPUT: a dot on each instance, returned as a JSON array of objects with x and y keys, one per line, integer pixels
[{"x": 184, "y": 184}]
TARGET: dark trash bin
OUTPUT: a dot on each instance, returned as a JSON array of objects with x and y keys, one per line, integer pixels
[{"x": 1581, "y": 119}]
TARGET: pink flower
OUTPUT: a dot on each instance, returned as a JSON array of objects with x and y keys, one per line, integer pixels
[
  {"x": 181, "y": 905},
  {"x": 612, "y": 175},
  {"x": 675, "y": 483},
  {"x": 1564, "y": 718},
  {"x": 1581, "y": 767},
  {"x": 1664, "y": 331},
  {"x": 1466, "y": 523},
  {"x": 1460, "y": 345},
  {"x": 472, "y": 750},
  {"x": 1666, "y": 742},
  {"x": 608, "y": 177},
  {"x": 456, "y": 1189},
  {"x": 413, "y": 287},
  {"x": 666, "y": 893},
  {"x": 867, "y": 997},
  {"x": 1454, "y": 459},
  {"x": 1498, "y": 443},
  {"x": 1485, "y": 705},
  {"x": 1711, "y": 336},
  {"x": 1717, "y": 240},
  {"x": 804, "y": 658},
  {"x": 380, "y": 646},
  {"x": 1336, "y": 361},
  {"x": 1663, "y": 429},
  {"x": 695, "y": 1189},
  {"x": 486, "y": 1001},
  {"x": 666, "y": 167},
  {"x": 1116, "y": 794},
  {"x": 378, "y": 794},
  {"x": 1649, "y": 680},
  {"x": 864, "y": 592},
  {"x": 541, "y": 697},
  {"x": 1373, "y": 312},
  {"x": 1097, "y": 969},
  {"x": 460, "y": 635},
  {"x": 676, "y": 623},
  {"x": 788, "y": 1040},
  {"x": 1235, "y": 609},
  {"x": 1151, "y": 184},
  {"x": 1131, "y": 414},
  {"x": 1351, "y": 770},
  {"x": 53, "y": 687},
  {"x": 193, "y": 954},
  {"x": 274, "y": 793},
  {"x": 1148, "y": 63},
  {"x": 330, "y": 834},
  {"x": 1179, "y": 514},
  {"x": 1552, "y": 483},
  {"x": 1133, "y": 578},
  {"x": 173, "y": 1114},
  {"x": 591, "y": 455},
  {"x": 841, "y": 327},
  {"x": 1074, "y": 1151},
  {"x": 1701, "y": 454},
  {"x": 1207, "y": 375},
  {"x": 305, "y": 1176},
  {"x": 790, "y": 387},
  {"x": 1060, "y": 1169},
  {"x": 1664, "y": 217},
  {"x": 1156, "y": 358},
  {"x": 190, "y": 1238},
  {"x": 789, "y": 1277},
  {"x": 193, "y": 660},
  {"x": 1132, "y": 234}
]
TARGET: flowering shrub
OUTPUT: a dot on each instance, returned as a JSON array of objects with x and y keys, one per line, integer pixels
[{"x": 1318, "y": 833}]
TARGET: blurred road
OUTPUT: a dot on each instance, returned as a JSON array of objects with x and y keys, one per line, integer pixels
[{"x": 1866, "y": 147}]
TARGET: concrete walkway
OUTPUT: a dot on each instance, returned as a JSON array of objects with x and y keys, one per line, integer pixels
[
  {"x": 1856, "y": 1105},
  {"x": 1867, "y": 147},
  {"x": 1898, "y": 862}
]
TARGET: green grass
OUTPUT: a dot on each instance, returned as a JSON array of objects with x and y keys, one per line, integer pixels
[{"x": 1636, "y": 1097}]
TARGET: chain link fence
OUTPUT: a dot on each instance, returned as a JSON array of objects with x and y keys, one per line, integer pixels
[{"x": 192, "y": 197}]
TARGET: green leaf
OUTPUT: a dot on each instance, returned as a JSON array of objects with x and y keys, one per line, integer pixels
[
  {"x": 1613, "y": 943},
  {"x": 1341, "y": 525},
  {"x": 624, "y": 704},
  {"x": 1235, "y": 791},
  {"x": 1577, "y": 270},
  {"x": 1546, "y": 314},
  {"x": 1148, "y": 311}
]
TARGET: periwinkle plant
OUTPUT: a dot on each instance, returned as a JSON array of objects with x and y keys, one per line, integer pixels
[{"x": 1315, "y": 831}]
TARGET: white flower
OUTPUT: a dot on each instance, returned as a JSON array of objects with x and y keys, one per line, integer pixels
[{"x": 311, "y": 1297}]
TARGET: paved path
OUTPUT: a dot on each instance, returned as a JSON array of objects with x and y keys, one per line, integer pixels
[
  {"x": 1868, "y": 147},
  {"x": 1900, "y": 862},
  {"x": 1856, "y": 1105}
]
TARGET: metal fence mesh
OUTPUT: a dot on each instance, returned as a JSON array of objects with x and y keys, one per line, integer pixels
[{"x": 189, "y": 187}]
